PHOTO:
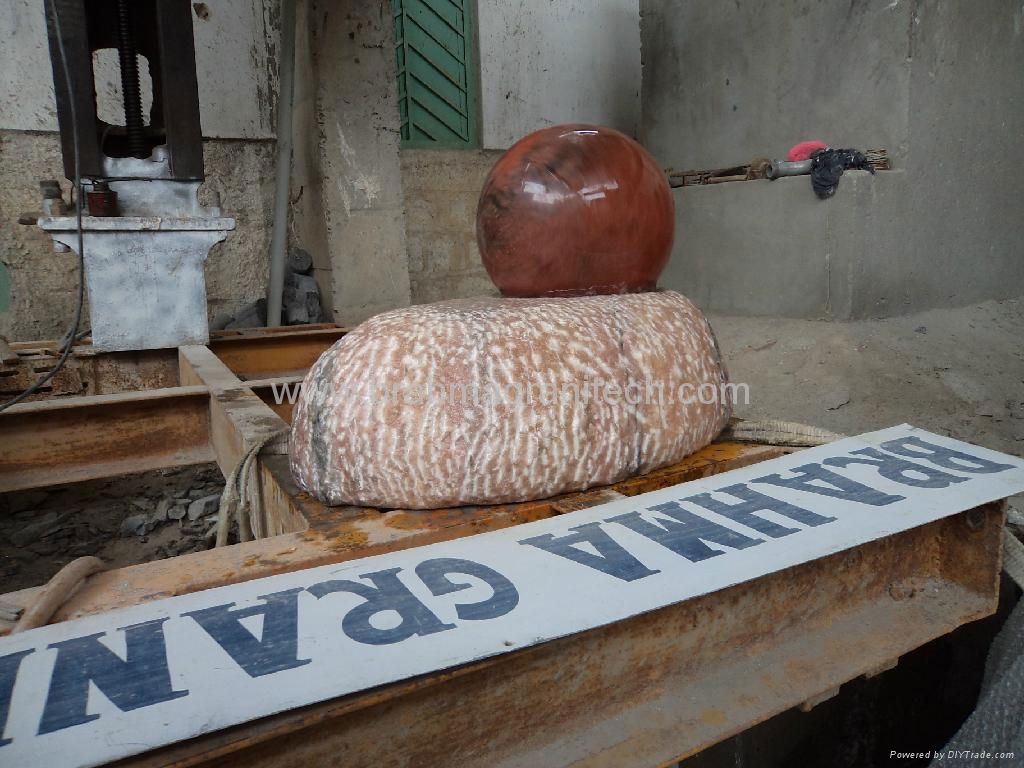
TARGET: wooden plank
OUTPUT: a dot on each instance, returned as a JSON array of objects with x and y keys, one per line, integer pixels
[
  {"x": 7, "y": 355},
  {"x": 71, "y": 439},
  {"x": 655, "y": 550}
]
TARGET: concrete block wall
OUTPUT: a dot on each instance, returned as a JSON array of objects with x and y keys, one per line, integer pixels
[{"x": 442, "y": 188}]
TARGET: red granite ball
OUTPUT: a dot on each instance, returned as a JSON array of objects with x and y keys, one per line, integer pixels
[{"x": 574, "y": 210}]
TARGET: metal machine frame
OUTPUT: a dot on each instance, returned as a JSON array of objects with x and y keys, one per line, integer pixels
[{"x": 644, "y": 691}]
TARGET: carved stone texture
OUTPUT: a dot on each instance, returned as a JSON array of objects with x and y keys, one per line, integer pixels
[{"x": 489, "y": 400}]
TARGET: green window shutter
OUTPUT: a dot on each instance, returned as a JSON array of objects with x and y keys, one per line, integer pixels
[{"x": 434, "y": 57}]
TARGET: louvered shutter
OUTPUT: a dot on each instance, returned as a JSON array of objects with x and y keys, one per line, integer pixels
[{"x": 434, "y": 55}]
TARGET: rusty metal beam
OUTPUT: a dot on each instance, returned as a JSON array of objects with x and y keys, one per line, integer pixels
[
  {"x": 238, "y": 421},
  {"x": 265, "y": 390},
  {"x": 273, "y": 352},
  {"x": 654, "y": 689},
  {"x": 313, "y": 534},
  {"x": 67, "y": 440},
  {"x": 250, "y": 353}
]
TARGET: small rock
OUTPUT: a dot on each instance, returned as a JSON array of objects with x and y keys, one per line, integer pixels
[
  {"x": 45, "y": 548},
  {"x": 196, "y": 493},
  {"x": 160, "y": 515},
  {"x": 178, "y": 510},
  {"x": 836, "y": 399},
  {"x": 143, "y": 505},
  {"x": 203, "y": 507},
  {"x": 84, "y": 548},
  {"x": 134, "y": 525},
  {"x": 921, "y": 329},
  {"x": 992, "y": 409},
  {"x": 299, "y": 260},
  {"x": 45, "y": 526}
]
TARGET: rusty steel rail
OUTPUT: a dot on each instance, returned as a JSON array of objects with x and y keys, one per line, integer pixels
[
  {"x": 656, "y": 688},
  {"x": 644, "y": 691}
]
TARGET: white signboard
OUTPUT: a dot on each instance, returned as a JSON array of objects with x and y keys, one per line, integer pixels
[{"x": 89, "y": 691}]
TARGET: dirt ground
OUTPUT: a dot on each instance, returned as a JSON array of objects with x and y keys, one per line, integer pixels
[
  {"x": 123, "y": 520},
  {"x": 958, "y": 372}
]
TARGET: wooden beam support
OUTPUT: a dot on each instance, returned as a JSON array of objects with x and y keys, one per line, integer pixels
[
  {"x": 67, "y": 440},
  {"x": 239, "y": 420}
]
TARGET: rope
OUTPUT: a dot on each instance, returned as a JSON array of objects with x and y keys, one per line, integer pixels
[
  {"x": 9, "y": 611},
  {"x": 773, "y": 432},
  {"x": 239, "y": 502},
  {"x": 56, "y": 591}
]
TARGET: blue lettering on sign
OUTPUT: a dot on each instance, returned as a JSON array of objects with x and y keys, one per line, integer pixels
[
  {"x": 611, "y": 558},
  {"x": 9, "y": 666},
  {"x": 141, "y": 679},
  {"x": 388, "y": 594},
  {"x": 916, "y": 448},
  {"x": 684, "y": 532},
  {"x": 434, "y": 574},
  {"x": 278, "y": 647},
  {"x": 814, "y": 478},
  {"x": 898, "y": 470},
  {"x": 754, "y": 501}
]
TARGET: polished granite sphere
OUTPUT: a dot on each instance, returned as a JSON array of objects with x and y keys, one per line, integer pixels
[{"x": 575, "y": 210}]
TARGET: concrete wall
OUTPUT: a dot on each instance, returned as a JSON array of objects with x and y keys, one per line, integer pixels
[
  {"x": 236, "y": 62},
  {"x": 441, "y": 193},
  {"x": 383, "y": 230},
  {"x": 236, "y": 45},
  {"x": 348, "y": 151},
  {"x": 724, "y": 83},
  {"x": 936, "y": 84},
  {"x": 773, "y": 248},
  {"x": 544, "y": 62}
]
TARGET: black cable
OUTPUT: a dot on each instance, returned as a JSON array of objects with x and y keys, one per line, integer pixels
[{"x": 72, "y": 334}]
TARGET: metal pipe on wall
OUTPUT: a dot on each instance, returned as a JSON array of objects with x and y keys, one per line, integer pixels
[
  {"x": 779, "y": 168},
  {"x": 283, "y": 171}
]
